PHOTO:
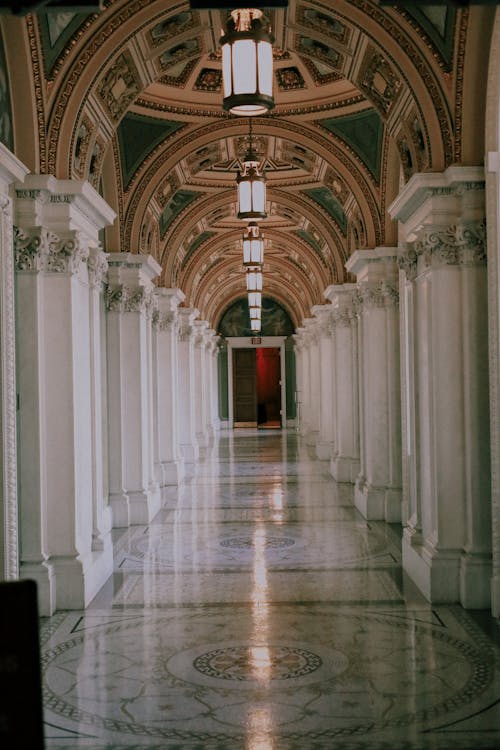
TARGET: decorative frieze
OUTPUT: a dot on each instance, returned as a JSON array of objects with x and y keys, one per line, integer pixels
[
  {"x": 129, "y": 299},
  {"x": 381, "y": 294},
  {"x": 43, "y": 250}
]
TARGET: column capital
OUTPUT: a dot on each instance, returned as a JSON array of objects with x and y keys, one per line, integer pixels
[
  {"x": 132, "y": 267},
  {"x": 377, "y": 294},
  {"x": 324, "y": 315},
  {"x": 98, "y": 267},
  {"x": 439, "y": 199},
  {"x": 200, "y": 329},
  {"x": 42, "y": 250},
  {"x": 121, "y": 298},
  {"x": 187, "y": 316},
  {"x": 377, "y": 264},
  {"x": 62, "y": 205}
]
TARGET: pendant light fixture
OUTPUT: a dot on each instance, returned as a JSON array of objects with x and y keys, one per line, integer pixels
[
  {"x": 255, "y": 313},
  {"x": 251, "y": 186},
  {"x": 254, "y": 281},
  {"x": 254, "y": 299},
  {"x": 255, "y": 325},
  {"x": 253, "y": 247},
  {"x": 247, "y": 64}
]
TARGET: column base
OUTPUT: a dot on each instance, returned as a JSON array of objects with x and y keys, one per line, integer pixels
[
  {"x": 435, "y": 573},
  {"x": 344, "y": 469},
  {"x": 495, "y": 596},
  {"x": 172, "y": 472},
  {"x": 77, "y": 581},
  {"x": 202, "y": 439},
  {"x": 377, "y": 503},
  {"x": 120, "y": 512},
  {"x": 144, "y": 505},
  {"x": 324, "y": 451},
  {"x": 43, "y": 574},
  {"x": 190, "y": 453},
  {"x": 311, "y": 437},
  {"x": 475, "y": 581}
]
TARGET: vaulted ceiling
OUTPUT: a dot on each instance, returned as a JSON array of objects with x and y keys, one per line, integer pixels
[{"x": 130, "y": 99}]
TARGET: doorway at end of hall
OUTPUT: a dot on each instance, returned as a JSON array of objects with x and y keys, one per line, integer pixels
[{"x": 257, "y": 387}]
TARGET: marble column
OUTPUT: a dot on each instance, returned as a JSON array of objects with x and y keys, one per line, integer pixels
[
  {"x": 344, "y": 464},
  {"x": 200, "y": 383},
  {"x": 447, "y": 539},
  {"x": 65, "y": 540},
  {"x": 324, "y": 445},
  {"x": 11, "y": 171},
  {"x": 378, "y": 486},
  {"x": 172, "y": 465},
  {"x": 313, "y": 378},
  {"x": 213, "y": 355},
  {"x": 190, "y": 450},
  {"x": 302, "y": 383},
  {"x": 134, "y": 493}
]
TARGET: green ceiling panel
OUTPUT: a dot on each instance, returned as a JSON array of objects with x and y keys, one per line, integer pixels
[
  {"x": 138, "y": 136},
  {"x": 363, "y": 132},
  {"x": 56, "y": 29},
  {"x": 6, "y": 127},
  {"x": 176, "y": 204},
  {"x": 438, "y": 22},
  {"x": 327, "y": 200}
]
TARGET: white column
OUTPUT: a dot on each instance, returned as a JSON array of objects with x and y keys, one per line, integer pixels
[
  {"x": 344, "y": 465},
  {"x": 378, "y": 486},
  {"x": 186, "y": 386},
  {"x": 447, "y": 542},
  {"x": 313, "y": 378},
  {"x": 325, "y": 443},
  {"x": 11, "y": 170},
  {"x": 65, "y": 542},
  {"x": 172, "y": 465},
  {"x": 299, "y": 357},
  {"x": 200, "y": 383},
  {"x": 134, "y": 495},
  {"x": 213, "y": 354},
  {"x": 302, "y": 378}
]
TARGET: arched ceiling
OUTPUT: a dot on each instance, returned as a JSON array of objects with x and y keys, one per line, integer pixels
[{"x": 130, "y": 99}]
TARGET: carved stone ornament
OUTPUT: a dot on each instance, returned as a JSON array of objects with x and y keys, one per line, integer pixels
[
  {"x": 458, "y": 244},
  {"x": 167, "y": 321},
  {"x": 98, "y": 268},
  {"x": 43, "y": 250},
  {"x": 382, "y": 294},
  {"x": 8, "y": 413},
  {"x": 185, "y": 332},
  {"x": 126, "y": 299},
  {"x": 407, "y": 262}
]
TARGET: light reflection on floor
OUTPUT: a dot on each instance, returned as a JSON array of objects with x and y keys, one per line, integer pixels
[{"x": 259, "y": 611}]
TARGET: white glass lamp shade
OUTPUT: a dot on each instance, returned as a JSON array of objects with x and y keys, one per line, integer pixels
[
  {"x": 255, "y": 313},
  {"x": 247, "y": 64},
  {"x": 254, "y": 281},
  {"x": 253, "y": 247},
  {"x": 255, "y": 325},
  {"x": 254, "y": 299},
  {"x": 251, "y": 193}
]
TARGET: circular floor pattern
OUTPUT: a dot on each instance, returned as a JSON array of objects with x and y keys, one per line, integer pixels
[
  {"x": 458, "y": 671},
  {"x": 248, "y": 542},
  {"x": 248, "y": 662}
]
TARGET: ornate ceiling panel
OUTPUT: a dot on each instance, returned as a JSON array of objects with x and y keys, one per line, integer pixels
[{"x": 130, "y": 99}]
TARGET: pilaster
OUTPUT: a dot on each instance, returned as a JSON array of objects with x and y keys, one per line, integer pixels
[
  {"x": 190, "y": 450},
  {"x": 66, "y": 545},
  {"x": 11, "y": 171},
  {"x": 134, "y": 493},
  {"x": 167, "y": 324},
  {"x": 447, "y": 541},
  {"x": 378, "y": 485},
  {"x": 200, "y": 383},
  {"x": 311, "y": 421},
  {"x": 325, "y": 442},
  {"x": 344, "y": 464}
]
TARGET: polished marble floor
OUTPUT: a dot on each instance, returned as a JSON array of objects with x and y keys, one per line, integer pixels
[{"x": 260, "y": 611}]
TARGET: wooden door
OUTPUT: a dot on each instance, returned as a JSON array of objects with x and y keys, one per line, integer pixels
[
  {"x": 244, "y": 388},
  {"x": 269, "y": 387}
]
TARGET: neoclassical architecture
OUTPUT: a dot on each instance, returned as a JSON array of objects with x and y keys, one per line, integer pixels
[{"x": 120, "y": 253}]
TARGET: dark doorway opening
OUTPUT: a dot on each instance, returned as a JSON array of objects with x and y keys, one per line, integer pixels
[{"x": 268, "y": 372}]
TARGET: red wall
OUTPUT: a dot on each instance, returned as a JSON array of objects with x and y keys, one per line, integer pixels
[{"x": 268, "y": 377}]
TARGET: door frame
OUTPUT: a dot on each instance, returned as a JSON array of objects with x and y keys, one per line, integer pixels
[{"x": 245, "y": 342}]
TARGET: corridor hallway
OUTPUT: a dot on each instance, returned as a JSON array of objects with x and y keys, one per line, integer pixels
[{"x": 259, "y": 611}]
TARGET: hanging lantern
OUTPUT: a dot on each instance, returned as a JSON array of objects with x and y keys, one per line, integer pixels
[
  {"x": 255, "y": 313},
  {"x": 254, "y": 281},
  {"x": 254, "y": 299},
  {"x": 255, "y": 325},
  {"x": 251, "y": 186},
  {"x": 253, "y": 247},
  {"x": 247, "y": 64}
]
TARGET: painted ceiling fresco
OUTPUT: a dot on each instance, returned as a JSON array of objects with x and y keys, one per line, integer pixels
[{"x": 130, "y": 99}]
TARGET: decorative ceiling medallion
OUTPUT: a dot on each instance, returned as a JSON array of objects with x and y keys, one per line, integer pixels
[
  {"x": 209, "y": 79},
  {"x": 120, "y": 85},
  {"x": 316, "y": 49},
  {"x": 179, "y": 52},
  {"x": 181, "y": 77},
  {"x": 172, "y": 26},
  {"x": 289, "y": 79},
  {"x": 324, "y": 23},
  {"x": 378, "y": 80}
]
